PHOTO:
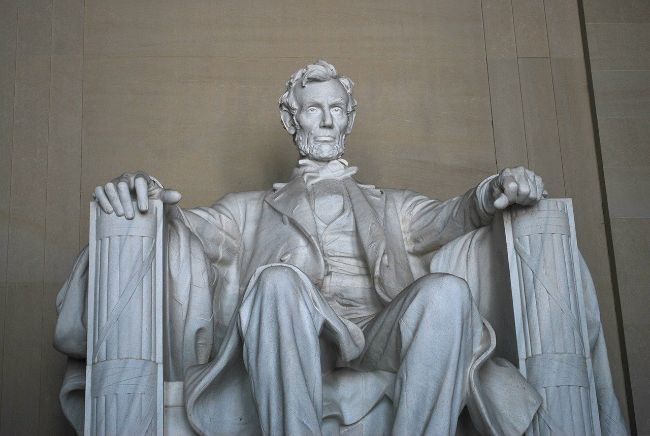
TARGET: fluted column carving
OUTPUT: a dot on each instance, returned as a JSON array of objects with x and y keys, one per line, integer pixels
[
  {"x": 550, "y": 321},
  {"x": 124, "y": 377}
]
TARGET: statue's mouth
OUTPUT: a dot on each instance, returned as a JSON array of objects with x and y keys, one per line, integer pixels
[{"x": 324, "y": 138}]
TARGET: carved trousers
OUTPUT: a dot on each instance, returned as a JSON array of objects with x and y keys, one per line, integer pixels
[{"x": 427, "y": 336}]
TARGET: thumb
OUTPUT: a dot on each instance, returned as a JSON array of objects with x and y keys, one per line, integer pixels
[
  {"x": 169, "y": 196},
  {"x": 502, "y": 202}
]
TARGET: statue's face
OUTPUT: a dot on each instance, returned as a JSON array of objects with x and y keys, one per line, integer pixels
[{"x": 322, "y": 119}]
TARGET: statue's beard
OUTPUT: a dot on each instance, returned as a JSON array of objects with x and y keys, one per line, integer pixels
[{"x": 321, "y": 151}]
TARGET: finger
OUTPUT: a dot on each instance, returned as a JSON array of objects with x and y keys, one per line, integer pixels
[
  {"x": 532, "y": 195},
  {"x": 545, "y": 194},
  {"x": 125, "y": 198},
  {"x": 169, "y": 196},
  {"x": 101, "y": 198},
  {"x": 141, "y": 193},
  {"x": 111, "y": 193},
  {"x": 532, "y": 187},
  {"x": 136, "y": 176},
  {"x": 540, "y": 187},
  {"x": 526, "y": 190},
  {"x": 523, "y": 189},
  {"x": 502, "y": 202},
  {"x": 510, "y": 188}
]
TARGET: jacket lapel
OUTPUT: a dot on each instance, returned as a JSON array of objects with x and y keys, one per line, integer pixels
[
  {"x": 291, "y": 201},
  {"x": 381, "y": 237},
  {"x": 389, "y": 268},
  {"x": 369, "y": 209}
]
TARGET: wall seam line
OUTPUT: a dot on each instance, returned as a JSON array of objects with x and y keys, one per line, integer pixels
[
  {"x": 487, "y": 72},
  {"x": 521, "y": 97},
  {"x": 81, "y": 133},
  {"x": 557, "y": 123}
]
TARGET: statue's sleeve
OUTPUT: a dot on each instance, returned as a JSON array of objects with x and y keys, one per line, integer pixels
[
  {"x": 203, "y": 249},
  {"x": 217, "y": 228},
  {"x": 428, "y": 224}
]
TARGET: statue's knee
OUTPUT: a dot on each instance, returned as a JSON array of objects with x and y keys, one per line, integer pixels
[
  {"x": 277, "y": 274},
  {"x": 446, "y": 291},
  {"x": 279, "y": 283},
  {"x": 275, "y": 301}
]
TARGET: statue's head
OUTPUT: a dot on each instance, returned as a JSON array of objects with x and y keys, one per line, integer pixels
[{"x": 318, "y": 111}]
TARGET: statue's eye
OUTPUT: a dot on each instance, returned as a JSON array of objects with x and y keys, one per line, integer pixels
[
  {"x": 337, "y": 110},
  {"x": 312, "y": 109}
]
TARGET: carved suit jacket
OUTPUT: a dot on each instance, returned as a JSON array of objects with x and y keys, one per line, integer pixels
[
  {"x": 398, "y": 229},
  {"x": 213, "y": 252}
]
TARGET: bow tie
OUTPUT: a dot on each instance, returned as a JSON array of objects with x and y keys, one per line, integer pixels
[{"x": 313, "y": 172}]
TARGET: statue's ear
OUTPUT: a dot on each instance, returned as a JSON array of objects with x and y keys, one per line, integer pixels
[
  {"x": 351, "y": 116},
  {"x": 287, "y": 121}
]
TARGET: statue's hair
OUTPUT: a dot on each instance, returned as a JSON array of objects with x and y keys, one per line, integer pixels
[{"x": 321, "y": 71}]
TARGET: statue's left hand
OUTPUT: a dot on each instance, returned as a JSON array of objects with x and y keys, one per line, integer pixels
[
  {"x": 516, "y": 186},
  {"x": 117, "y": 195}
]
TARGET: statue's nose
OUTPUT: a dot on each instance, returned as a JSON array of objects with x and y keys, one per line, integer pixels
[{"x": 326, "y": 121}]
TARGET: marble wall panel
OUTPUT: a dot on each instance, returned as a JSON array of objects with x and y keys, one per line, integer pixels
[
  {"x": 530, "y": 28},
  {"x": 618, "y": 34},
  {"x": 631, "y": 238},
  {"x": 24, "y": 299},
  {"x": 7, "y": 87},
  {"x": 622, "y": 46},
  {"x": 540, "y": 121},
  {"x": 63, "y": 207},
  {"x": 622, "y": 93},
  {"x": 625, "y": 142},
  {"x": 275, "y": 30}
]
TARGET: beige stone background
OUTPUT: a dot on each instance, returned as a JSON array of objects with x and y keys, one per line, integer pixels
[
  {"x": 449, "y": 92},
  {"x": 618, "y": 35}
]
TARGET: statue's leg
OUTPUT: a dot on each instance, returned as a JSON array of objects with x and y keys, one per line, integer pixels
[
  {"x": 283, "y": 322},
  {"x": 428, "y": 335}
]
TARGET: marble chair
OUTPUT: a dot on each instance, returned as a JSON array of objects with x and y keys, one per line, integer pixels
[{"x": 132, "y": 344}]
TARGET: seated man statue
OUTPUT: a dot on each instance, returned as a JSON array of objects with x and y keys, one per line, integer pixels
[{"x": 311, "y": 308}]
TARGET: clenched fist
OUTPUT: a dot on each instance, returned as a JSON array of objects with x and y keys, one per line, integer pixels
[
  {"x": 515, "y": 186},
  {"x": 116, "y": 196}
]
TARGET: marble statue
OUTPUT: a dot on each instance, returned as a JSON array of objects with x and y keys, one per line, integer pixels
[{"x": 323, "y": 305}]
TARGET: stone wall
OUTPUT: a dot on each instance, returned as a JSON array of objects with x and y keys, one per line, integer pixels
[{"x": 618, "y": 33}]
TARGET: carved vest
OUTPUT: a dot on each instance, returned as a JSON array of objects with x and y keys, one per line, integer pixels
[{"x": 347, "y": 286}]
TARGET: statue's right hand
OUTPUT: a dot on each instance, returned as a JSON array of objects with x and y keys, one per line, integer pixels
[{"x": 116, "y": 196}]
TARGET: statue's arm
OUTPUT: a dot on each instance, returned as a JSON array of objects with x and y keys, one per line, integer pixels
[
  {"x": 217, "y": 227},
  {"x": 71, "y": 305},
  {"x": 214, "y": 231},
  {"x": 203, "y": 246},
  {"x": 428, "y": 224}
]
